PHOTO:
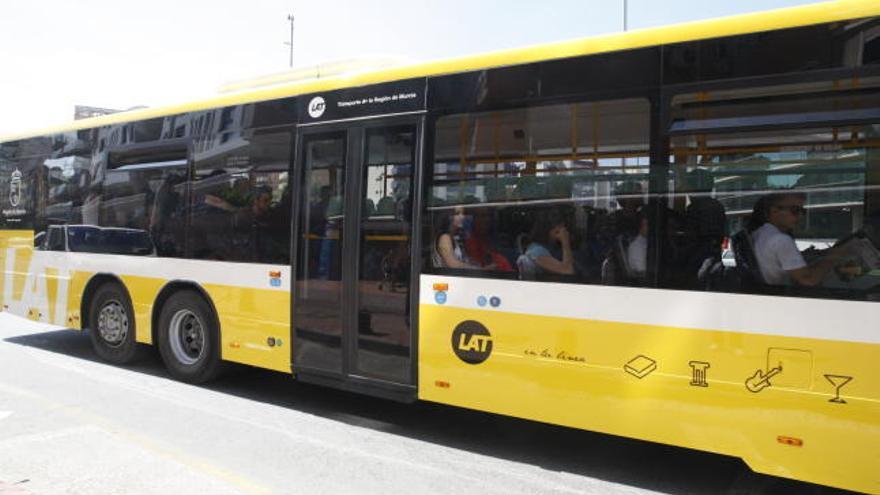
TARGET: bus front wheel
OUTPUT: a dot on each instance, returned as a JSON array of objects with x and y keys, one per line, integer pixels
[
  {"x": 112, "y": 325},
  {"x": 189, "y": 338}
]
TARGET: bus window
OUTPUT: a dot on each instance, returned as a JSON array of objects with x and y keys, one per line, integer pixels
[
  {"x": 147, "y": 198},
  {"x": 66, "y": 180},
  {"x": 742, "y": 170},
  {"x": 543, "y": 193},
  {"x": 240, "y": 207}
]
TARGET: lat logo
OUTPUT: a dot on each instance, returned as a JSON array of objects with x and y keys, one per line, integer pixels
[
  {"x": 472, "y": 342},
  {"x": 317, "y": 107}
]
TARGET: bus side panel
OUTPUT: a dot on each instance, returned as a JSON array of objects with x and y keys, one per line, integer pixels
[
  {"x": 251, "y": 302},
  {"x": 35, "y": 284},
  {"x": 49, "y": 287},
  {"x": 143, "y": 292},
  {"x": 75, "y": 292},
  {"x": 682, "y": 386},
  {"x": 255, "y": 325}
]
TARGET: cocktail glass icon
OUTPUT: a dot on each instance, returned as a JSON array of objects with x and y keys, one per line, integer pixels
[{"x": 838, "y": 381}]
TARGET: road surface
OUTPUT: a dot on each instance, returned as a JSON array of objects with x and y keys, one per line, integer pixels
[{"x": 70, "y": 424}]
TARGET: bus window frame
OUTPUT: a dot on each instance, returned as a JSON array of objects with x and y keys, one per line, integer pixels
[
  {"x": 650, "y": 95},
  {"x": 666, "y": 113}
]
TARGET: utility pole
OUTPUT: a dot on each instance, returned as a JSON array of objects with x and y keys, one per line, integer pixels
[
  {"x": 290, "y": 44},
  {"x": 624, "y": 17}
]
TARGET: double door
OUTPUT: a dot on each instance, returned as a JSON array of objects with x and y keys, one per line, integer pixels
[{"x": 353, "y": 265}]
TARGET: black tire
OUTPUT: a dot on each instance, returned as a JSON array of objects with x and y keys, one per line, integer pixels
[
  {"x": 112, "y": 325},
  {"x": 189, "y": 338}
]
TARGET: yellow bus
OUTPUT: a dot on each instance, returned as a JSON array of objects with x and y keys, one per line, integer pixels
[{"x": 668, "y": 234}]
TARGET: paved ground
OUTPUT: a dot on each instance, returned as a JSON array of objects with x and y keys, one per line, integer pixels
[{"x": 72, "y": 425}]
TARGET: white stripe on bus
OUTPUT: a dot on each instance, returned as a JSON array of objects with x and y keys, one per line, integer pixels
[
  {"x": 850, "y": 321},
  {"x": 213, "y": 272}
]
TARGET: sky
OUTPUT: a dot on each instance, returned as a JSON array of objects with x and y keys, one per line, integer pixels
[{"x": 56, "y": 54}]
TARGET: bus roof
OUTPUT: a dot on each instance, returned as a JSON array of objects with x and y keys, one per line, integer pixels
[{"x": 790, "y": 17}]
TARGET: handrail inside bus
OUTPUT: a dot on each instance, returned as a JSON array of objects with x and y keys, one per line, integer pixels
[{"x": 758, "y": 122}]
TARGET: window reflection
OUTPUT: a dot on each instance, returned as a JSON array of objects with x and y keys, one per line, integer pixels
[
  {"x": 812, "y": 185},
  {"x": 240, "y": 207},
  {"x": 148, "y": 198},
  {"x": 385, "y": 256},
  {"x": 542, "y": 193},
  {"x": 319, "y": 295}
]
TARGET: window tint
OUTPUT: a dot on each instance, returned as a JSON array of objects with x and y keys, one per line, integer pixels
[
  {"x": 54, "y": 181},
  {"x": 541, "y": 193},
  {"x": 108, "y": 240},
  {"x": 241, "y": 198},
  {"x": 795, "y": 50},
  {"x": 772, "y": 179},
  {"x": 19, "y": 183},
  {"x": 147, "y": 130},
  {"x": 68, "y": 177},
  {"x": 319, "y": 293},
  {"x": 384, "y": 266},
  {"x": 146, "y": 199},
  {"x": 26, "y": 178}
]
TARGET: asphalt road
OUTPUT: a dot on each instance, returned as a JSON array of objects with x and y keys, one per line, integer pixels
[{"x": 70, "y": 424}]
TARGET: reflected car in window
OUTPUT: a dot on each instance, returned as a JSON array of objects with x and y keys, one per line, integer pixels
[{"x": 101, "y": 240}]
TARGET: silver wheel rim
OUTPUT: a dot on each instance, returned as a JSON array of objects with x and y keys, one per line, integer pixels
[
  {"x": 113, "y": 323},
  {"x": 187, "y": 337}
]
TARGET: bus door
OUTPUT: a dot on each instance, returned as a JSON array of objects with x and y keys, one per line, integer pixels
[{"x": 352, "y": 294}]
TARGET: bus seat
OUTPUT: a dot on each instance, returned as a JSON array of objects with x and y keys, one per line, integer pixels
[
  {"x": 527, "y": 268},
  {"x": 385, "y": 206},
  {"x": 746, "y": 261},
  {"x": 615, "y": 268}
]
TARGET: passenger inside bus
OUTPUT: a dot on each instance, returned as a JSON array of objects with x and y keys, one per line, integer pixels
[
  {"x": 252, "y": 222},
  {"x": 630, "y": 198},
  {"x": 450, "y": 250},
  {"x": 627, "y": 245},
  {"x": 696, "y": 227},
  {"x": 479, "y": 246},
  {"x": 549, "y": 233},
  {"x": 774, "y": 219},
  {"x": 637, "y": 251}
]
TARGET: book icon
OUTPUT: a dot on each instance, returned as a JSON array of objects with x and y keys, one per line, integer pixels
[{"x": 640, "y": 366}]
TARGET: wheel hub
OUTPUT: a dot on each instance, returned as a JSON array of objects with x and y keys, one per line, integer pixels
[
  {"x": 187, "y": 337},
  {"x": 113, "y": 323}
]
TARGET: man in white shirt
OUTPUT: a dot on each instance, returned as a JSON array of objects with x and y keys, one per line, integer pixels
[
  {"x": 778, "y": 257},
  {"x": 637, "y": 251}
]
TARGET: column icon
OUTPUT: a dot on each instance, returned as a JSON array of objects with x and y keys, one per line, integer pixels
[{"x": 698, "y": 373}]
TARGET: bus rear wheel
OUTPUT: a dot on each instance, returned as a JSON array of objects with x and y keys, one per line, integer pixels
[
  {"x": 112, "y": 324},
  {"x": 189, "y": 338}
]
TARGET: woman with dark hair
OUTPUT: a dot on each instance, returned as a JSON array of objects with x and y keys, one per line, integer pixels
[
  {"x": 450, "y": 249},
  {"x": 549, "y": 230}
]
